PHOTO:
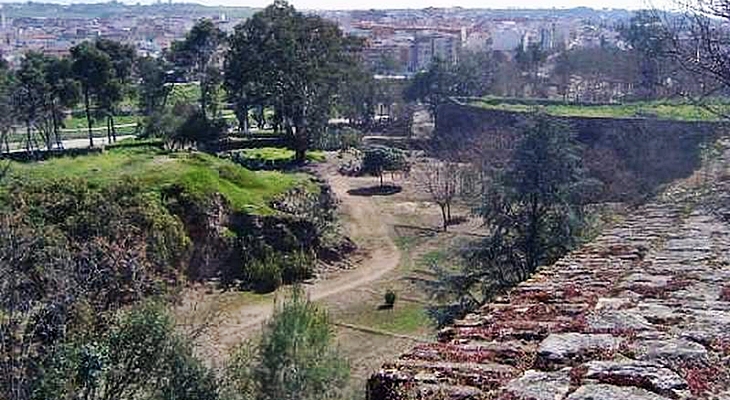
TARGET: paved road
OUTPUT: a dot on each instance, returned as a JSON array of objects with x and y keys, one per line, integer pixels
[{"x": 82, "y": 143}]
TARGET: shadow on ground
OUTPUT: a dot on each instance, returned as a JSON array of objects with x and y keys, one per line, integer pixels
[{"x": 386, "y": 190}]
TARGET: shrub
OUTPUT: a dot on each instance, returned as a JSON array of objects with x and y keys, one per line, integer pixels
[
  {"x": 294, "y": 359},
  {"x": 297, "y": 266},
  {"x": 390, "y": 298},
  {"x": 264, "y": 275}
]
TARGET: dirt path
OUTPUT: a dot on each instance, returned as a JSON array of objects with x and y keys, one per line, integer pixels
[{"x": 369, "y": 227}]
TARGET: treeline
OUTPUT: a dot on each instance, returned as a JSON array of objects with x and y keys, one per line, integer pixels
[
  {"x": 648, "y": 60},
  {"x": 285, "y": 70}
]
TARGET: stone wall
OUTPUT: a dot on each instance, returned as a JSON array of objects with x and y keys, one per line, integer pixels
[{"x": 631, "y": 156}]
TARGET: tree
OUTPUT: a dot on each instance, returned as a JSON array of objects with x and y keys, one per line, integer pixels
[
  {"x": 648, "y": 38},
  {"x": 357, "y": 95},
  {"x": 294, "y": 360},
  {"x": 471, "y": 76},
  {"x": 599, "y": 74},
  {"x": 63, "y": 92},
  {"x": 93, "y": 69},
  {"x": 138, "y": 356},
  {"x": 197, "y": 54},
  {"x": 29, "y": 93},
  {"x": 244, "y": 67},
  {"x": 7, "y": 117},
  {"x": 699, "y": 45},
  {"x": 529, "y": 59},
  {"x": 303, "y": 56},
  {"x": 532, "y": 210},
  {"x": 434, "y": 86},
  {"x": 121, "y": 58},
  {"x": 379, "y": 159},
  {"x": 153, "y": 89},
  {"x": 442, "y": 181}
]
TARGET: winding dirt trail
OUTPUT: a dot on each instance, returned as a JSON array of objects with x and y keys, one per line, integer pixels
[{"x": 369, "y": 227}]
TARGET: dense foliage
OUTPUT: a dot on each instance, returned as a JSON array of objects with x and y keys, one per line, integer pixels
[
  {"x": 295, "y": 359},
  {"x": 380, "y": 159},
  {"x": 533, "y": 210},
  {"x": 294, "y": 63}
]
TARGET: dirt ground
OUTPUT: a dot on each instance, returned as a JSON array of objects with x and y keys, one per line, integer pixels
[{"x": 397, "y": 235}]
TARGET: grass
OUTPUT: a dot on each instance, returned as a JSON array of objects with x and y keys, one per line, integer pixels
[
  {"x": 200, "y": 175},
  {"x": 279, "y": 154},
  {"x": 671, "y": 110},
  {"x": 404, "y": 318},
  {"x": 80, "y": 122}
]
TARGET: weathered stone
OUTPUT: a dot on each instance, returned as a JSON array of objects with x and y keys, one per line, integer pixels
[
  {"x": 569, "y": 348},
  {"x": 613, "y": 303},
  {"x": 647, "y": 375},
  {"x": 539, "y": 385},
  {"x": 618, "y": 321},
  {"x": 646, "y": 280},
  {"x": 611, "y": 392},
  {"x": 674, "y": 351},
  {"x": 449, "y": 392}
]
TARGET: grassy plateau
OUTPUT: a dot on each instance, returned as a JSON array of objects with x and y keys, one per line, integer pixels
[
  {"x": 198, "y": 174},
  {"x": 654, "y": 109}
]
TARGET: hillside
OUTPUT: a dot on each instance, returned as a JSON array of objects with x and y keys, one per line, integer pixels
[{"x": 199, "y": 175}]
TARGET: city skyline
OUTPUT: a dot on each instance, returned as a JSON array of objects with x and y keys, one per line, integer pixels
[{"x": 417, "y": 4}]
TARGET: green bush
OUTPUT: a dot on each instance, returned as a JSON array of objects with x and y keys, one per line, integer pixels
[
  {"x": 379, "y": 159},
  {"x": 390, "y": 298},
  {"x": 295, "y": 358},
  {"x": 264, "y": 275},
  {"x": 297, "y": 266}
]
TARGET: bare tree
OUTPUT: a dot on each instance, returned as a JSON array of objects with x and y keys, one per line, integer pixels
[
  {"x": 442, "y": 181},
  {"x": 700, "y": 44}
]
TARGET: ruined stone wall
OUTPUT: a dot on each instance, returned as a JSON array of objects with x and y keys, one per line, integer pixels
[
  {"x": 642, "y": 313},
  {"x": 631, "y": 156}
]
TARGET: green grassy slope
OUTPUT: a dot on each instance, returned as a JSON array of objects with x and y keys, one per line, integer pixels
[
  {"x": 198, "y": 174},
  {"x": 655, "y": 109}
]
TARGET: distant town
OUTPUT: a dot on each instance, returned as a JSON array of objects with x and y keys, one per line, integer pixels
[{"x": 398, "y": 42}]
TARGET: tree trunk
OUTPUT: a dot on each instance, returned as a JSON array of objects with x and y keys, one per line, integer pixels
[
  {"x": 448, "y": 212},
  {"x": 204, "y": 98},
  {"x": 108, "y": 129},
  {"x": 28, "y": 138},
  {"x": 381, "y": 178},
  {"x": 301, "y": 142},
  {"x": 114, "y": 130},
  {"x": 56, "y": 130},
  {"x": 444, "y": 216},
  {"x": 87, "y": 108}
]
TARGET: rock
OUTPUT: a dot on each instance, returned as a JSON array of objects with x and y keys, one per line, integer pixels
[
  {"x": 674, "y": 351},
  {"x": 539, "y": 385},
  {"x": 613, "y": 303},
  {"x": 610, "y": 392},
  {"x": 569, "y": 348},
  {"x": 647, "y": 375},
  {"x": 449, "y": 392},
  {"x": 645, "y": 280},
  {"x": 618, "y": 321}
]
